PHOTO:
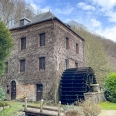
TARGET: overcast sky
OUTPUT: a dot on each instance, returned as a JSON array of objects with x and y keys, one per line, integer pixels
[{"x": 96, "y": 15}]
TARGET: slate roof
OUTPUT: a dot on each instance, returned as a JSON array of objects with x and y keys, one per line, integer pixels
[
  {"x": 38, "y": 18},
  {"x": 41, "y": 18}
]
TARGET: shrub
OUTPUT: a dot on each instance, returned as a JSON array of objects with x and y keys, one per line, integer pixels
[
  {"x": 5, "y": 104},
  {"x": 90, "y": 108},
  {"x": 2, "y": 94},
  {"x": 71, "y": 110},
  {"x": 69, "y": 107},
  {"x": 2, "y": 104},
  {"x": 22, "y": 97},
  {"x": 110, "y": 87},
  {"x": 72, "y": 113}
]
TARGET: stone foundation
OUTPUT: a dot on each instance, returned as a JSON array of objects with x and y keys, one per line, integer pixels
[
  {"x": 95, "y": 87},
  {"x": 95, "y": 96}
]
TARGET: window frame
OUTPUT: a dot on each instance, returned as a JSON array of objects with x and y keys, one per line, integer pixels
[
  {"x": 42, "y": 39},
  {"x": 22, "y": 22},
  {"x": 23, "y": 43},
  {"x": 42, "y": 63},
  {"x": 77, "y": 48},
  {"x": 67, "y": 43},
  {"x": 22, "y": 65}
]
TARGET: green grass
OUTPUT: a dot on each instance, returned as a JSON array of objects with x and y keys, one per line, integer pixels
[
  {"x": 15, "y": 107},
  {"x": 108, "y": 105}
]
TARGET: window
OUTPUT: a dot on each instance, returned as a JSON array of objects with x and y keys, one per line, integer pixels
[
  {"x": 6, "y": 67},
  {"x": 42, "y": 39},
  {"x": 66, "y": 63},
  {"x": 76, "y": 65},
  {"x": 77, "y": 49},
  {"x": 22, "y": 22},
  {"x": 42, "y": 63},
  {"x": 23, "y": 43},
  {"x": 67, "y": 43},
  {"x": 8, "y": 89},
  {"x": 39, "y": 87},
  {"x": 22, "y": 65}
]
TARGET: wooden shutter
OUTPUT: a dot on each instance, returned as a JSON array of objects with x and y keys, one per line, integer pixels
[
  {"x": 22, "y": 65},
  {"x": 42, "y": 63},
  {"x": 42, "y": 39},
  {"x": 23, "y": 43}
]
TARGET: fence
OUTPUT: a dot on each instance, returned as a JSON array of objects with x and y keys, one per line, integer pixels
[{"x": 55, "y": 111}]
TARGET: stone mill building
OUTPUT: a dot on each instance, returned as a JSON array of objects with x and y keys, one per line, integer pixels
[{"x": 43, "y": 48}]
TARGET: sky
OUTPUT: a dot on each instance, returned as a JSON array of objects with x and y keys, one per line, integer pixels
[{"x": 98, "y": 16}]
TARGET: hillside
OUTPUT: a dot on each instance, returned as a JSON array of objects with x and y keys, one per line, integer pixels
[
  {"x": 110, "y": 48},
  {"x": 99, "y": 52}
]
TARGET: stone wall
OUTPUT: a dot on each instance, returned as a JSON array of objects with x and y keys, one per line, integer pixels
[
  {"x": 95, "y": 96},
  {"x": 61, "y": 53},
  {"x": 27, "y": 90}
]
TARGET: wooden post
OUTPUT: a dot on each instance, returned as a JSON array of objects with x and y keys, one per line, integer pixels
[
  {"x": 59, "y": 105},
  {"x": 41, "y": 106},
  {"x": 25, "y": 103}
]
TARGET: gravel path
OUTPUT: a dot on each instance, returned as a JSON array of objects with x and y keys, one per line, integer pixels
[{"x": 108, "y": 113}]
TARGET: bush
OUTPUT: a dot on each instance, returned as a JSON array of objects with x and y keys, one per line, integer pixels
[
  {"x": 2, "y": 104},
  {"x": 90, "y": 108},
  {"x": 22, "y": 97},
  {"x": 110, "y": 87},
  {"x": 5, "y": 104},
  {"x": 2, "y": 94},
  {"x": 71, "y": 110},
  {"x": 72, "y": 113}
]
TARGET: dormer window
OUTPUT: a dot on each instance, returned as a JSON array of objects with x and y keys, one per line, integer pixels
[{"x": 24, "y": 21}]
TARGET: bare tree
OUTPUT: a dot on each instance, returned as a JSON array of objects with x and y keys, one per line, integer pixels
[
  {"x": 6, "y": 10},
  {"x": 14, "y": 10},
  {"x": 110, "y": 48}
]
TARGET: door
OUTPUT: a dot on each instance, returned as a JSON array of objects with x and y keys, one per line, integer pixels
[
  {"x": 39, "y": 91},
  {"x": 13, "y": 90}
]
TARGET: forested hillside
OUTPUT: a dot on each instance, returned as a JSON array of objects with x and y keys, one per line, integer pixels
[
  {"x": 99, "y": 52},
  {"x": 110, "y": 48}
]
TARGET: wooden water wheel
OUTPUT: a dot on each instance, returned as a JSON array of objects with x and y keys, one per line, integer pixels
[{"x": 74, "y": 83}]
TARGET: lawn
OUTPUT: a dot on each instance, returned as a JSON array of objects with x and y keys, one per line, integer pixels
[
  {"x": 15, "y": 107},
  {"x": 108, "y": 105}
]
